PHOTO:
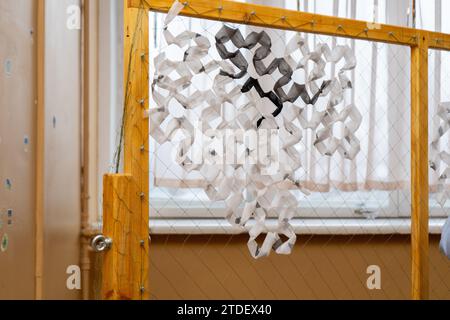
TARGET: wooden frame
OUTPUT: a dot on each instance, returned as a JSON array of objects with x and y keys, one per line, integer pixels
[
  {"x": 229, "y": 11},
  {"x": 125, "y": 196},
  {"x": 278, "y": 18}
]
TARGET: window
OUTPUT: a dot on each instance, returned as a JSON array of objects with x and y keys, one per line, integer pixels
[{"x": 391, "y": 84}]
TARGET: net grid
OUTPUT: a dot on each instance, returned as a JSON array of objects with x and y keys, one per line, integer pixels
[{"x": 194, "y": 190}]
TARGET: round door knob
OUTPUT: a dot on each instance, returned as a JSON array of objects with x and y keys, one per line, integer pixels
[{"x": 101, "y": 243}]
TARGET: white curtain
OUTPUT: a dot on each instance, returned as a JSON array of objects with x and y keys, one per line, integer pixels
[{"x": 381, "y": 91}]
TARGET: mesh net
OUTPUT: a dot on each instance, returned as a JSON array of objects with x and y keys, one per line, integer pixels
[
  {"x": 375, "y": 183},
  {"x": 347, "y": 208},
  {"x": 439, "y": 98}
]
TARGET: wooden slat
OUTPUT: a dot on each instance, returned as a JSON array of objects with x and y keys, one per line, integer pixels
[
  {"x": 86, "y": 115},
  {"x": 89, "y": 188},
  {"x": 84, "y": 221},
  {"x": 40, "y": 160},
  {"x": 117, "y": 278},
  {"x": 419, "y": 169}
]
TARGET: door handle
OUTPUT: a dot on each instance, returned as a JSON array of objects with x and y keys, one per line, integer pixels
[{"x": 100, "y": 243}]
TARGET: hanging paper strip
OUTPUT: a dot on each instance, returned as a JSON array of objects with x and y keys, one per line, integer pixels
[{"x": 440, "y": 159}]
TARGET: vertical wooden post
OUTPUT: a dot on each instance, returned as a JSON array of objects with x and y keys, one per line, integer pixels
[
  {"x": 136, "y": 134},
  {"x": 117, "y": 277},
  {"x": 89, "y": 186},
  {"x": 419, "y": 169},
  {"x": 126, "y": 207},
  {"x": 85, "y": 174},
  {"x": 40, "y": 136}
]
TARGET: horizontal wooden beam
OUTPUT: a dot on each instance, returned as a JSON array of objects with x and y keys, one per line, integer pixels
[
  {"x": 279, "y": 18},
  {"x": 438, "y": 40}
]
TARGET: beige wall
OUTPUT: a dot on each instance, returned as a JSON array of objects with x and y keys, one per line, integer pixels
[
  {"x": 17, "y": 121},
  {"x": 321, "y": 267}
]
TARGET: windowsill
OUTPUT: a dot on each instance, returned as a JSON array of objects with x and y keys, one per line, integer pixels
[{"x": 301, "y": 226}]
